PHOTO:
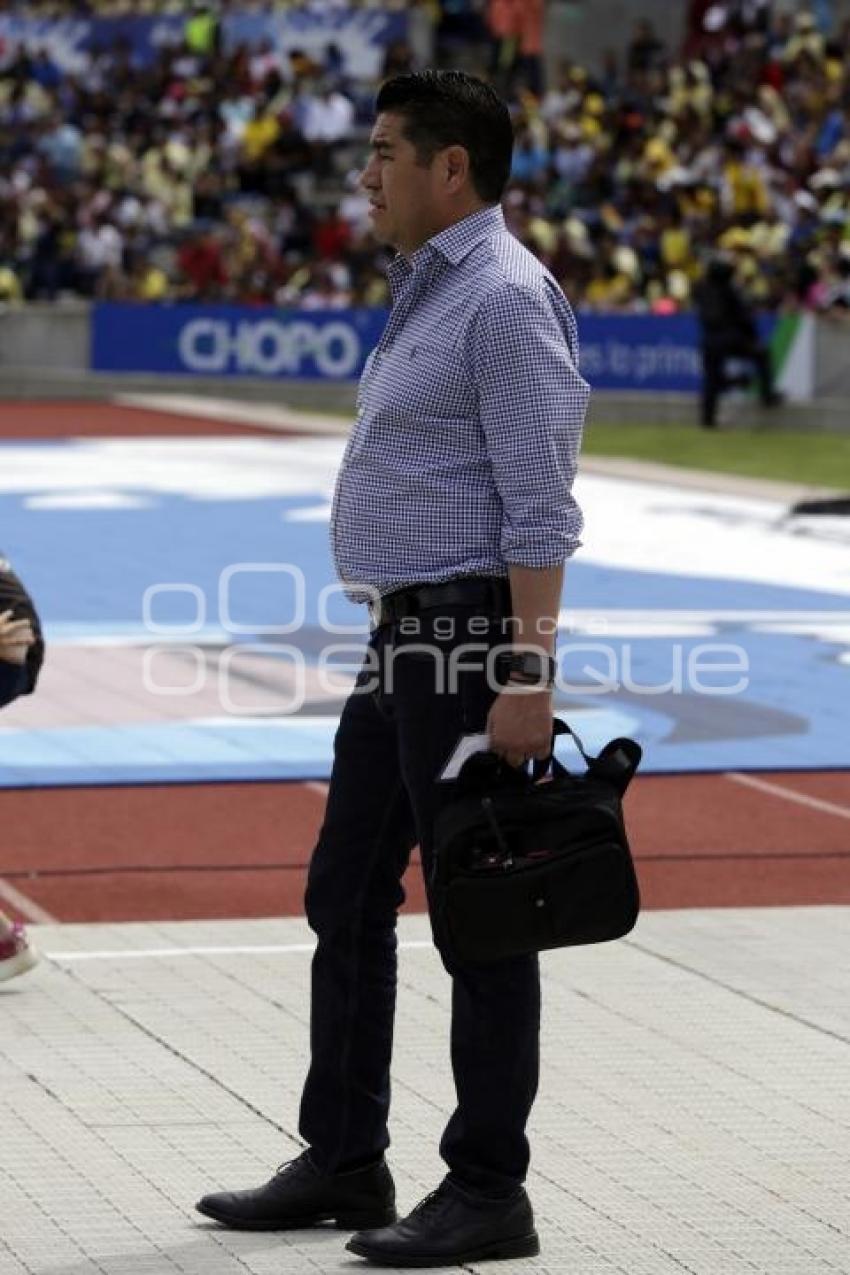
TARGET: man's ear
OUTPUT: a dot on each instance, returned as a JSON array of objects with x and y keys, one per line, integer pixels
[{"x": 455, "y": 161}]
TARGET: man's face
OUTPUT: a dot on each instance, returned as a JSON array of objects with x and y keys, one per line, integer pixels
[{"x": 404, "y": 194}]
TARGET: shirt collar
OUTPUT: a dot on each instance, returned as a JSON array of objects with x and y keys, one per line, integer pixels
[
  {"x": 453, "y": 244},
  {"x": 458, "y": 240},
  {"x": 398, "y": 272}
]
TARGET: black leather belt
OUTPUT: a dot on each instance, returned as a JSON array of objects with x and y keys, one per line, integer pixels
[{"x": 492, "y": 594}]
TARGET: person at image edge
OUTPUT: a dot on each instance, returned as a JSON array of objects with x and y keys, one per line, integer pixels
[{"x": 21, "y": 654}]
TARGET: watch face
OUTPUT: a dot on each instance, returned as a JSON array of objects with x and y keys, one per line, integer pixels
[{"x": 528, "y": 666}]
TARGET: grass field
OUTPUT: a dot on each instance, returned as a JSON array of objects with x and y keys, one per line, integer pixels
[{"x": 808, "y": 458}]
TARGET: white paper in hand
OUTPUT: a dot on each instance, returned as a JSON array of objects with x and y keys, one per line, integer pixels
[{"x": 465, "y": 748}]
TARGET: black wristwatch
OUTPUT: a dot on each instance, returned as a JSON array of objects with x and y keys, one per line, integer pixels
[{"x": 527, "y": 668}]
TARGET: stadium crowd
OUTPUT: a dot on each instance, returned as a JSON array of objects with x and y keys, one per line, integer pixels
[{"x": 232, "y": 174}]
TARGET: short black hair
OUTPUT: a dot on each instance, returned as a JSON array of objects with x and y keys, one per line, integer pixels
[{"x": 451, "y": 108}]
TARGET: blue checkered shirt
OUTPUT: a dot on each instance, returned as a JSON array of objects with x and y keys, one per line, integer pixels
[{"x": 469, "y": 419}]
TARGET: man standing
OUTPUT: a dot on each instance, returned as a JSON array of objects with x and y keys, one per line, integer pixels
[
  {"x": 729, "y": 331},
  {"x": 453, "y": 512}
]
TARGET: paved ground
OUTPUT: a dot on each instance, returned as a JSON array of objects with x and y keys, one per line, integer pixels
[{"x": 693, "y": 1114}]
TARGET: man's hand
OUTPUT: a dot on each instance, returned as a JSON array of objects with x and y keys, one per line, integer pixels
[
  {"x": 520, "y": 724},
  {"x": 16, "y": 637}
]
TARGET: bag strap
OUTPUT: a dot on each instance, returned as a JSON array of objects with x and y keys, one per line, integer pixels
[
  {"x": 543, "y": 765},
  {"x": 616, "y": 763}
]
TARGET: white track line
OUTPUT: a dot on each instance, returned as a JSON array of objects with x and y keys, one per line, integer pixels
[
  {"x": 598, "y": 616},
  {"x": 315, "y": 786},
  {"x": 788, "y": 794},
  {"x": 265, "y": 415},
  {"x": 27, "y": 908},
  {"x": 160, "y": 953}
]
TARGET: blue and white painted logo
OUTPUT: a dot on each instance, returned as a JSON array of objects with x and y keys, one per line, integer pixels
[{"x": 224, "y": 674}]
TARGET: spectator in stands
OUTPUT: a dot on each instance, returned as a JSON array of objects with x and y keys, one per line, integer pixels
[
  {"x": 326, "y": 118},
  {"x": 302, "y": 67},
  {"x": 398, "y": 60},
  {"x": 44, "y": 71},
  {"x": 531, "y": 158},
  {"x": 61, "y": 145},
  {"x": 202, "y": 29},
  {"x": 265, "y": 61},
  {"x": 645, "y": 52},
  {"x": 743, "y": 136},
  {"x": 259, "y": 134},
  {"x": 529, "y": 61},
  {"x": 145, "y": 280},
  {"x": 354, "y": 206},
  {"x": 200, "y": 263},
  {"x": 329, "y": 288},
  {"x": 100, "y": 248},
  {"x": 331, "y": 236},
  {"x": 11, "y": 292},
  {"x": 516, "y": 34},
  {"x": 47, "y": 251}
]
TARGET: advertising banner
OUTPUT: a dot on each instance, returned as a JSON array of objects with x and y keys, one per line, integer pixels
[
  {"x": 632, "y": 352},
  {"x": 792, "y": 348},
  {"x": 360, "y": 35},
  {"x": 640, "y": 351},
  {"x": 661, "y": 353},
  {"x": 69, "y": 42},
  {"x": 233, "y": 340}
]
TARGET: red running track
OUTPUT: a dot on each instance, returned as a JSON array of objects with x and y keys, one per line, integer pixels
[
  {"x": 108, "y": 420},
  {"x": 240, "y": 850}
]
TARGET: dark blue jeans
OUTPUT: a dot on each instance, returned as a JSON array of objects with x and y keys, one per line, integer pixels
[{"x": 391, "y": 745}]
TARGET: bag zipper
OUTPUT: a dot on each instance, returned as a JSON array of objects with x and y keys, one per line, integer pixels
[{"x": 487, "y": 807}]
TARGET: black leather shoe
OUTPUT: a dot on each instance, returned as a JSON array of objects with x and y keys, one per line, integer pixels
[
  {"x": 299, "y": 1195},
  {"x": 451, "y": 1227}
]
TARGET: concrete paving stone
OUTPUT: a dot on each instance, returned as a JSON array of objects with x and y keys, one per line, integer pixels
[
  {"x": 9, "y": 1264},
  {"x": 692, "y": 1115}
]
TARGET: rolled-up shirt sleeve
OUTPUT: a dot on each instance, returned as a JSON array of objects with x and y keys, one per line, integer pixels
[{"x": 532, "y": 402}]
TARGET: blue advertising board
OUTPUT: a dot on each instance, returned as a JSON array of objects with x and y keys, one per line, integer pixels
[
  {"x": 360, "y": 35},
  {"x": 69, "y": 42},
  {"x": 653, "y": 353},
  {"x": 226, "y": 340},
  {"x": 640, "y": 351},
  {"x": 618, "y": 352},
  {"x": 661, "y": 353}
]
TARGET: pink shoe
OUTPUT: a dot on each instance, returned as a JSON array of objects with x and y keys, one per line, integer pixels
[{"x": 17, "y": 955}]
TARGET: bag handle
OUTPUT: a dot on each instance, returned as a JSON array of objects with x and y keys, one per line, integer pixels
[
  {"x": 541, "y": 766},
  {"x": 616, "y": 763}
]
